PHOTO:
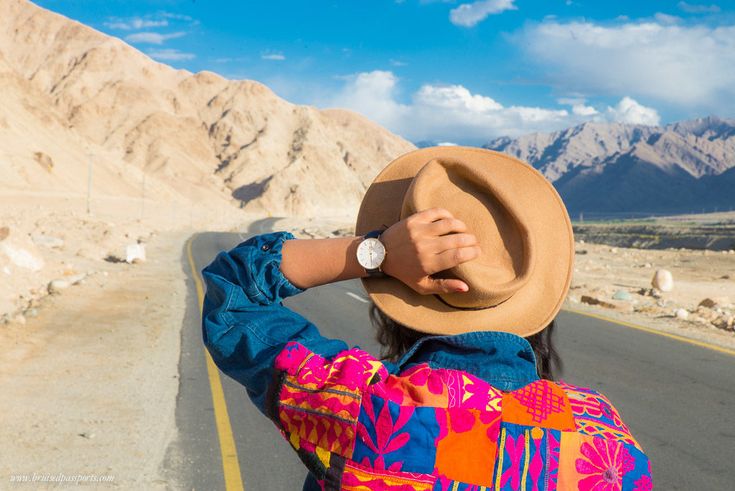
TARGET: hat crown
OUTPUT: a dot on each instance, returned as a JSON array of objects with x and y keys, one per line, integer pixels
[{"x": 508, "y": 254}]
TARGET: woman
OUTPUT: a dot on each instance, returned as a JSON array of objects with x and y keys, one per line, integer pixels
[{"x": 466, "y": 254}]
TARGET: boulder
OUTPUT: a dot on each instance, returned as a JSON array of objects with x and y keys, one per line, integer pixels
[
  {"x": 135, "y": 253},
  {"x": 682, "y": 314},
  {"x": 714, "y": 302},
  {"x": 22, "y": 257},
  {"x": 663, "y": 280},
  {"x": 588, "y": 299},
  {"x": 621, "y": 295},
  {"x": 720, "y": 322},
  {"x": 47, "y": 241},
  {"x": 55, "y": 286}
]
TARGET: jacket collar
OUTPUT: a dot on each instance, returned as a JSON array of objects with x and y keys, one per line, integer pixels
[{"x": 504, "y": 360}]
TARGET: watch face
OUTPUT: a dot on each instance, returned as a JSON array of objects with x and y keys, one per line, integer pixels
[{"x": 370, "y": 253}]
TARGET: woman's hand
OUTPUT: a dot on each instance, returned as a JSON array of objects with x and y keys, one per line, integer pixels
[{"x": 417, "y": 247}]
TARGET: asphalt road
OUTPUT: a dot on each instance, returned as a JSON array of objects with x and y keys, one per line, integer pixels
[{"x": 678, "y": 398}]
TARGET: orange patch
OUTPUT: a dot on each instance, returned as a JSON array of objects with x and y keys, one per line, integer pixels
[
  {"x": 467, "y": 451},
  {"x": 418, "y": 394},
  {"x": 541, "y": 403}
]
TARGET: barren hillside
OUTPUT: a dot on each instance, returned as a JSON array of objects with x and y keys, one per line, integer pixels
[{"x": 70, "y": 91}]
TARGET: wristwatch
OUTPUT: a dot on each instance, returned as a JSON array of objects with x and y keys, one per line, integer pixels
[{"x": 371, "y": 253}]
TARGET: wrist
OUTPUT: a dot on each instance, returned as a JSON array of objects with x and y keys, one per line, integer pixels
[{"x": 371, "y": 253}]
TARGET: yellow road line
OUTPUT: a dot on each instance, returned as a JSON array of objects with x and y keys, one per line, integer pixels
[
  {"x": 683, "y": 339},
  {"x": 230, "y": 464}
]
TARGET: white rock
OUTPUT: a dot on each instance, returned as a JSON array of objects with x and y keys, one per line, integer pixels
[
  {"x": 681, "y": 314},
  {"x": 55, "y": 286},
  {"x": 47, "y": 241},
  {"x": 21, "y": 257},
  {"x": 76, "y": 279},
  {"x": 663, "y": 280},
  {"x": 135, "y": 252}
]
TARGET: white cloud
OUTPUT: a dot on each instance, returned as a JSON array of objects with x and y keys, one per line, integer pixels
[
  {"x": 374, "y": 95},
  {"x": 698, "y": 9},
  {"x": 630, "y": 111},
  {"x": 470, "y": 14},
  {"x": 578, "y": 106},
  {"x": 441, "y": 112},
  {"x": 454, "y": 97},
  {"x": 170, "y": 55},
  {"x": 273, "y": 56},
  {"x": 582, "y": 110},
  {"x": 684, "y": 66},
  {"x": 171, "y": 15},
  {"x": 666, "y": 19},
  {"x": 134, "y": 23},
  {"x": 452, "y": 113},
  {"x": 152, "y": 37}
]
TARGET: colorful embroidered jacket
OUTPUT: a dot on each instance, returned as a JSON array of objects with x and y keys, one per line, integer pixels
[{"x": 465, "y": 412}]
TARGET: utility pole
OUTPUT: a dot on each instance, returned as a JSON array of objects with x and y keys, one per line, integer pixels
[
  {"x": 142, "y": 197},
  {"x": 89, "y": 181}
]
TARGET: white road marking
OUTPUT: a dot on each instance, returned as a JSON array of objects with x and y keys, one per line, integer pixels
[{"x": 357, "y": 297}]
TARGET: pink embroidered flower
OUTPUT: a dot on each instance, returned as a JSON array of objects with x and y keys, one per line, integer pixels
[
  {"x": 423, "y": 375},
  {"x": 606, "y": 463},
  {"x": 643, "y": 484}
]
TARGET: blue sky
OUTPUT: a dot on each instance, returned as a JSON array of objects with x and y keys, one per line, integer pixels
[{"x": 457, "y": 71}]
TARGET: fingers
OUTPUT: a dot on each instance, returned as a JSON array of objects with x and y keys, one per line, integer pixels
[
  {"x": 453, "y": 241},
  {"x": 452, "y": 257},
  {"x": 431, "y": 214},
  {"x": 429, "y": 286},
  {"x": 445, "y": 226}
]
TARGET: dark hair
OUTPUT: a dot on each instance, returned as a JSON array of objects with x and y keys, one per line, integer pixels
[{"x": 395, "y": 339}]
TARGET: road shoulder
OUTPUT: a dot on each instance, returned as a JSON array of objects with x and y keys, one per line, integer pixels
[{"x": 94, "y": 377}]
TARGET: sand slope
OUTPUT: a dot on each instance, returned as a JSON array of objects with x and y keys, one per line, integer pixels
[{"x": 91, "y": 93}]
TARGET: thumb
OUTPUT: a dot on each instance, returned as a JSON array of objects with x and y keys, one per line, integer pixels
[{"x": 444, "y": 285}]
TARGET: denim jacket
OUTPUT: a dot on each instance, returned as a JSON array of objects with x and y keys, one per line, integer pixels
[{"x": 305, "y": 382}]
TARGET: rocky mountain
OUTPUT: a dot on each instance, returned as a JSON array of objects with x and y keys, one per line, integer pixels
[
  {"x": 614, "y": 168},
  {"x": 71, "y": 94}
]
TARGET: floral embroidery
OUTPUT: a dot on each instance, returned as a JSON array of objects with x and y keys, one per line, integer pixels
[
  {"x": 606, "y": 463},
  {"x": 386, "y": 435},
  {"x": 359, "y": 428},
  {"x": 643, "y": 484}
]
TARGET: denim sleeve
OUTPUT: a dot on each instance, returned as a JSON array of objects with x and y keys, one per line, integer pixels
[{"x": 244, "y": 323}]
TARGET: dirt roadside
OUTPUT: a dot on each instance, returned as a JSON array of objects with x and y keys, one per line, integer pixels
[{"x": 91, "y": 382}]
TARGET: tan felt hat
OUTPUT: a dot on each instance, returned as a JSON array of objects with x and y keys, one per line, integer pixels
[{"x": 520, "y": 279}]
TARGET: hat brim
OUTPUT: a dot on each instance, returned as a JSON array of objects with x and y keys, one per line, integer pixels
[{"x": 533, "y": 306}]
